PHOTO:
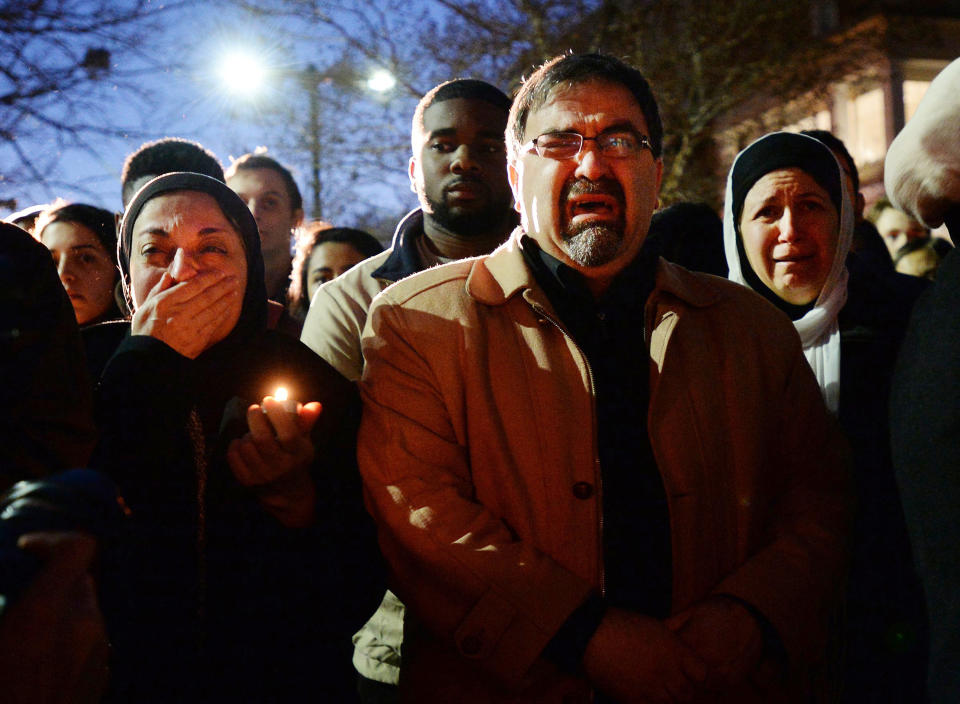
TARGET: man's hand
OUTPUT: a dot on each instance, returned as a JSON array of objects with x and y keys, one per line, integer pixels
[
  {"x": 725, "y": 634},
  {"x": 274, "y": 459},
  {"x": 635, "y": 658},
  {"x": 186, "y": 314},
  {"x": 53, "y": 646}
]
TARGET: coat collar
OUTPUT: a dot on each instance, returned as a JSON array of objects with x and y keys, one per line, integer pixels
[
  {"x": 404, "y": 259},
  {"x": 496, "y": 278}
]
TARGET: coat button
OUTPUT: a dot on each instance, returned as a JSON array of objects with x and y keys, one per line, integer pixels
[
  {"x": 583, "y": 490},
  {"x": 470, "y": 645}
]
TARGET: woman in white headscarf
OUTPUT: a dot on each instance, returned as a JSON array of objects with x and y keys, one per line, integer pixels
[
  {"x": 787, "y": 230},
  {"x": 788, "y": 224}
]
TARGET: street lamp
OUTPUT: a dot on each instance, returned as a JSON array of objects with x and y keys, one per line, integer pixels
[
  {"x": 246, "y": 73},
  {"x": 241, "y": 73},
  {"x": 381, "y": 81},
  {"x": 341, "y": 74}
]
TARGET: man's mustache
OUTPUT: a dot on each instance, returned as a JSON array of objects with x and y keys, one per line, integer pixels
[
  {"x": 584, "y": 186},
  {"x": 475, "y": 180}
]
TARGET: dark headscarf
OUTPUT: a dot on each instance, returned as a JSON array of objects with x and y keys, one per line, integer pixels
[
  {"x": 253, "y": 315},
  {"x": 784, "y": 150}
]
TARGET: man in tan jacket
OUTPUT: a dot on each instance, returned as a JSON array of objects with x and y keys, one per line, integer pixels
[{"x": 596, "y": 474}]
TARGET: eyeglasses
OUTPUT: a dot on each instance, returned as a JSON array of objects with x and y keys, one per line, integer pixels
[{"x": 566, "y": 145}]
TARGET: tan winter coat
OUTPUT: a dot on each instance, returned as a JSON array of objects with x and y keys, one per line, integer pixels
[{"x": 478, "y": 449}]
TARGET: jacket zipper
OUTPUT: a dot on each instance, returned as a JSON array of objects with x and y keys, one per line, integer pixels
[{"x": 598, "y": 475}]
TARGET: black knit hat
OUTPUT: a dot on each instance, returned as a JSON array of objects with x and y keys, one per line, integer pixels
[
  {"x": 784, "y": 150},
  {"x": 253, "y": 316}
]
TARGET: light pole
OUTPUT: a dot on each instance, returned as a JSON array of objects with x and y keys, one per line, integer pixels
[
  {"x": 247, "y": 73},
  {"x": 345, "y": 76},
  {"x": 311, "y": 82}
]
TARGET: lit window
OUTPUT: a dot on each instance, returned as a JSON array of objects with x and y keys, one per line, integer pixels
[
  {"x": 913, "y": 92},
  {"x": 819, "y": 121},
  {"x": 866, "y": 138}
]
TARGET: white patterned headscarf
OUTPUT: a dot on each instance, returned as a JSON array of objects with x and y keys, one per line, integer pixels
[{"x": 818, "y": 328}]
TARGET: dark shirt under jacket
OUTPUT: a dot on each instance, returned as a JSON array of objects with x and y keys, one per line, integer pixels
[{"x": 610, "y": 332}]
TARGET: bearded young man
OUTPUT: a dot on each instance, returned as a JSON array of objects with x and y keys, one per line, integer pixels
[
  {"x": 458, "y": 170},
  {"x": 594, "y": 473}
]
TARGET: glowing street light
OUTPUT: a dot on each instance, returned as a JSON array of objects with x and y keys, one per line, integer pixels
[
  {"x": 241, "y": 73},
  {"x": 381, "y": 81},
  {"x": 248, "y": 74}
]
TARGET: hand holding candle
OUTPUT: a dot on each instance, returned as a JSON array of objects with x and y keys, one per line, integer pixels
[{"x": 274, "y": 457}]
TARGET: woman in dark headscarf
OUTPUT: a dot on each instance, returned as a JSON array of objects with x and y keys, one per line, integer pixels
[
  {"x": 246, "y": 571},
  {"x": 788, "y": 223}
]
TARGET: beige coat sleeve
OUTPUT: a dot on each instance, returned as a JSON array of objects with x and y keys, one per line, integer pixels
[
  {"x": 337, "y": 315},
  {"x": 492, "y": 597}
]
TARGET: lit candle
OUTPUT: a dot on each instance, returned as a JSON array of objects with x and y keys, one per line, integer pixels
[{"x": 282, "y": 395}]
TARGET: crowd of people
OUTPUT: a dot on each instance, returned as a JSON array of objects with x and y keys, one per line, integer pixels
[{"x": 553, "y": 444}]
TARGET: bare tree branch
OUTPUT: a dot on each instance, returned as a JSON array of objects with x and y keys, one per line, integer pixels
[{"x": 61, "y": 63}]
